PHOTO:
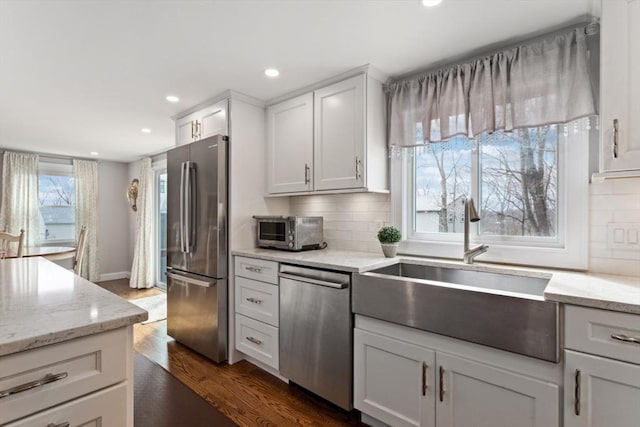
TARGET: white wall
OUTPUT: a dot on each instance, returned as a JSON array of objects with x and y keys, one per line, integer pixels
[{"x": 113, "y": 221}]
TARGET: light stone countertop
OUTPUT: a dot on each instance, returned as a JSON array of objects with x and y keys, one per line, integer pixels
[
  {"x": 608, "y": 292},
  {"x": 41, "y": 303}
]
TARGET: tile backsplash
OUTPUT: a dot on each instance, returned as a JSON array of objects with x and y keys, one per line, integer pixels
[
  {"x": 615, "y": 201},
  {"x": 351, "y": 221}
]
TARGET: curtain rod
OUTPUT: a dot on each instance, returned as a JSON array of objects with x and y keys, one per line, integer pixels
[
  {"x": 591, "y": 27},
  {"x": 48, "y": 156}
]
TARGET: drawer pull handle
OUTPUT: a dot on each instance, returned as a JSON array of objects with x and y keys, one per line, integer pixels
[
  {"x": 576, "y": 393},
  {"x": 254, "y": 269},
  {"x": 256, "y": 341},
  {"x": 58, "y": 425},
  {"x": 47, "y": 379},
  {"x": 254, "y": 300},
  {"x": 625, "y": 338}
]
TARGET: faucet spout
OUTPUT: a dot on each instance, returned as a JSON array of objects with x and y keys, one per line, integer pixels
[{"x": 470, "y": 215}]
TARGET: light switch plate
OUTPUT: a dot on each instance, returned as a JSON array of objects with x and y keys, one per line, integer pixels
[{"x": 623, "y": 235}]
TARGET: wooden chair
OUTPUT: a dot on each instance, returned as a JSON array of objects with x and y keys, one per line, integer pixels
[
  {"x": 7, "y": 238},
  {"x": 79, "y": 255}
]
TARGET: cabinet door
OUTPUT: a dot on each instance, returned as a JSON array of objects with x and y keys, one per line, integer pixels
[
  {"x": 609, "y": 392},
  {"x": 339, "y": 135},
  {"x": 213, "y": 120},
  {"x": 472, "y": 394},
  {"x": 290, "y": 145},
  {"x": 620, "y": 84},
  {"x": 185, "y": 130},
  {"x": 393, "y": 380}
]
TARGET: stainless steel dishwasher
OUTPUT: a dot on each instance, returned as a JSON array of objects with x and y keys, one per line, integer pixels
[{"x": 316, "y": 332}]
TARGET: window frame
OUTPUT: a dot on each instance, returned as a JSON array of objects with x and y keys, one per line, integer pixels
[
  {"x": 568, "y": 249},
  {"x": 57, "y": 168}
]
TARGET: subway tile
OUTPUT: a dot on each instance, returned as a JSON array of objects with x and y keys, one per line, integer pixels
[
  {"x": 626, "y": 186},
  {"x": 626, "y": 254},
  {"x": 600, "y": 217},
  {"x": 626, "y": 216},
  {"x": 605, "y": 187},
  {"x": 614, "y": 266},
  {"x": 598, "y": 234},
  {"x": 614, "y": 202}
]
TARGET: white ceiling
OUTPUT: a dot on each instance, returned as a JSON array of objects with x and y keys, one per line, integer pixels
[{"x": 77, "y": 77}]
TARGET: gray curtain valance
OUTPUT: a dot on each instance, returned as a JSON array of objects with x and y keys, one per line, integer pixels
[{"x": 541, "y": 83}]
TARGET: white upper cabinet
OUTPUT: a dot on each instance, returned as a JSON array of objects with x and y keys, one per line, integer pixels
[
  {"x": 203, "y": 123},
  {"x": 329, "y": 140},
  {"x": 290, "y": 145},
  {"x": 620, "y": 86},
  {"x": 339, "y": 135}
]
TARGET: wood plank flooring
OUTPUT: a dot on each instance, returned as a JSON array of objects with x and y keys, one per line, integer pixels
[{"x": 243, "y": 392}]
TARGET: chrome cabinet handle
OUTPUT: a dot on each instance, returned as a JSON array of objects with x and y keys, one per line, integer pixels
[
  {"x": 254, "y": 300},
  {"x": 441, "y": 384},
  {"x": 425, "y": 367},
  {"x": 256, "y": 341},
  {"x": 254, "y": 269},
  {"x": 65, "y": 424},
  {"x": 625, "y": 338},
  {"x": 307, "y": 175},
  {"x": 358, "y": 163},
  {"x": 47, "y": 379},
  {"x": 616, "y": 134},
  {"x": 576, "y": 393},
  {"x": 193, "y": 132}
]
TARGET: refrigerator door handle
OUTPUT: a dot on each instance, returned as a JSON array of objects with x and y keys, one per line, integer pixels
[
  {"x": 182, "y": 204},
  {"x": 190, "y": 280},
  {"x": 191, "y": 206}
]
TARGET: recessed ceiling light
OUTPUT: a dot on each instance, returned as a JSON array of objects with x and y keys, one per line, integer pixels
[
  {"x": 431, "y": 3},
  {"x": 271, "y": 72},
  {"x": 145, "y": 130},
  {"x": 94, "y": 153},
  {"x": 172, "y": 98}
]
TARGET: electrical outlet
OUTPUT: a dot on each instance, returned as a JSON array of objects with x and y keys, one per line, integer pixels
[{"x": 623, "y": 236}]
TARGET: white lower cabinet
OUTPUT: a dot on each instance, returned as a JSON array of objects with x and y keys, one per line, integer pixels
[
  {"x": 394, "y": 380},
  {"x": 473, "y": 394},
  {"x": 600, "y": 392},
  {"x": 402, "y": 381}
]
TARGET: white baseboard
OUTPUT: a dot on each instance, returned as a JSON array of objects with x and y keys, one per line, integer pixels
[{"x": 115, "y": 276}]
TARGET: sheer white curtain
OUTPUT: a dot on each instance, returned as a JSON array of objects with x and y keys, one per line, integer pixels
[
  {"x": 85, "y": 173},
  {"x": 544, "y": 82},
  {"x": 20, "y": 208},
  {"x": 143, "y": 268}
]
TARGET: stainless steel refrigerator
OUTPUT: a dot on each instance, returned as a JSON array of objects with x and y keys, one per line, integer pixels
[{"x": 197, "y": 182}]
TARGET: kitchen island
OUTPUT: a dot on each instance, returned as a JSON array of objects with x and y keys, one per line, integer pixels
[{"x": 66, "y": 348}]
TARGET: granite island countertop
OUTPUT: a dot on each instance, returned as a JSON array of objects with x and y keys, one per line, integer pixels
[
  {"x": 41, "y": 303},
  {"x": 608, "y": 292}
]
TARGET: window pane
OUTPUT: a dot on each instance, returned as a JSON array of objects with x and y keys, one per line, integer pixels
[
  {"x": 442, "y": 178},
  {"x": 519, "y": 174},
  {"x": 162, "y": 228},
  {"x": 56, "y": 196}
]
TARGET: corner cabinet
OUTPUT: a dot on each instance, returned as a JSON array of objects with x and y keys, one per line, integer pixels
[
  {"x": 406, "y": 377},
  {"x": 208, "y": 121},
  {"x": 329, "y": 140},
  {"x": 620, "y": 86}
]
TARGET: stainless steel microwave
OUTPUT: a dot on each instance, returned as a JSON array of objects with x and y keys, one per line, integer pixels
[{"x": 290, "y": 233}]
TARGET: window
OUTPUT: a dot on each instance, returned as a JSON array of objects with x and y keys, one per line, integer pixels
[
  {"x": 56, "y": 197},
  {"x": 161, "y": 225},
  {"x": 526, "y": 185}
]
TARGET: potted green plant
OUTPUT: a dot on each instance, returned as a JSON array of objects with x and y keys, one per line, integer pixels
[{"x": 389, "y": 238}]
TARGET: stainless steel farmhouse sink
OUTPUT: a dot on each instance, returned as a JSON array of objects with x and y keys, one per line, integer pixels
[{"x": 504, "y": 311}]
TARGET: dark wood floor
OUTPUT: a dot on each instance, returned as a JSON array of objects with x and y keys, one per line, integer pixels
[{"x": 246, "y": 394}]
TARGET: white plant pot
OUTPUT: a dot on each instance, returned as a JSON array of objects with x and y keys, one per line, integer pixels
[{"x": 389, "y": 249}]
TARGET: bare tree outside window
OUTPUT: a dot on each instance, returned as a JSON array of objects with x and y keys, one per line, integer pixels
[
  {"x": 56, "y": 196},
  {"x": 517, "y": 180}
]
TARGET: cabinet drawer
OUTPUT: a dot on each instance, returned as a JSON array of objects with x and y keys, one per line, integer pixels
[
  {"x": 603, "y": 333},
  {"x": 257, "y": 340},
  {"x": 257, "y": 269},
  {"x": 257, "y": 300},
  {"x": 104, "y": 408},
  {"x": 79, "y": 366}
]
